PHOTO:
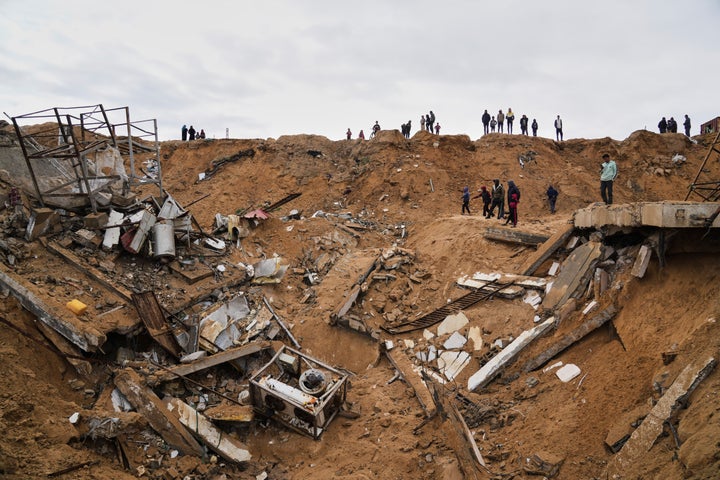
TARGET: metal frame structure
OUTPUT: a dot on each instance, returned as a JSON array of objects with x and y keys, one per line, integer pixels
[
  {"x": 709, "y": 191},
  {"x": 77, "y": 133}
]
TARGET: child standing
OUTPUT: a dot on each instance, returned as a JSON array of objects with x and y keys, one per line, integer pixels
[
  {"x": 552, "y": 195},
  {"x": 466, "y": 201}
]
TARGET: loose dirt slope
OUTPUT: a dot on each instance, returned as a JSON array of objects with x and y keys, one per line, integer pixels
[{"x": 407, "y": 193}]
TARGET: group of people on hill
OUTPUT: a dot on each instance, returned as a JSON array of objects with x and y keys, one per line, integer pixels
[
  {"x": 495, "y": 197},
  {"x": 375, "y": 129},
  {"x": 427, "y": 122},
  {"x": 191, "y": 134},
  {"x": 670, "y": 126},
  {"x": 501, "y": 120}
]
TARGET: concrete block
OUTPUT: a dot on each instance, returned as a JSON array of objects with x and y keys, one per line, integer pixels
[
  {"x": 455, "y": 341},
  {"x": 42, "y": 221},
  {"x": 567, "y": 372},
  {"x": 95, "y": 220},
  {"x": 452, "y": 323},
  {"x": 641, "y": 262}
]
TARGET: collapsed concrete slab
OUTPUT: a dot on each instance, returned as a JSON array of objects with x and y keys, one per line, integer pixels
[
  {"x": 227, "y": 446},
  {"x": 643, "y": 438},
  {"x": 152, "y": 408},
  {"x": 657, "y": 214},
  {"x": 574, "y": 274},
  {"x": 488, "y": 371},
  {"x": 570, "y": 338},
  {"x": 545, "y": 250}
]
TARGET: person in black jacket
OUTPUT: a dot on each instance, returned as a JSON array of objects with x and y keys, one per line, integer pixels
[
  {"x": 552, "y": 195},
  {"x": 662, "y": 125},
  {"x": 486, "y": 122},
  {"x": 486, "y": 199}
]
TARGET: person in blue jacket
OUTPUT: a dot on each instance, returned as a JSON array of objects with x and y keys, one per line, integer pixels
[{"x": 466, "y": 201}]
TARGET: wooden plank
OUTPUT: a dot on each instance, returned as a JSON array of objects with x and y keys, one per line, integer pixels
[
  {"x": 213, "y": 360},
  {"x": 153, "y": 317},
  {"x": 231, "y": 413},
  {"x": 514, "y": 236},
  {"x": 192, "y": 274},
  {"x": 643, "y": 438},
  {"x": 88, "y": 270},
  {"x": 153, "y": 409},
  {"x": 570, "y": 338},
  {"x": 491, "y": 369},
  {"x": 65, "y": 323},
  {"x": 227, "y": 446},
  {"x": 545, "y": 250},
  {"x": 409, "y": 373}
]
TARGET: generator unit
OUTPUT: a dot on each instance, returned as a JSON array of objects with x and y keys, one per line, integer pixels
[{"x": 298, "y": 391}]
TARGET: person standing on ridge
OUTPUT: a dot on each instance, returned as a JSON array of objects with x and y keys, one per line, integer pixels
[
  {"x": 437, "y": 129},
  {"x": 349, "y": 134},
  {"x": 431, "y": 119},
  {"x": 500, "y": 120},
  {"x": 672, "y": 125},
  {"x": 361, "y": 135},
  {"x": 183, "y": 133},
  {"x": 534, "y": 127},
  {"x": 486, "y": 122},
  {"x": 422, "y": 122},
  {"x": 523, "y": 125},
  {"x": 558, "y": 129},
  {"x": 493, "y": 123},
  {"x": 686, "y": 124},
  {"x": 466, "y": 201},
  {"x": 608, "y": 172},
  {"x": 191, "y": 132},
  {"x": 662, "y": 125},
  {"x": 509, "y": 118}
]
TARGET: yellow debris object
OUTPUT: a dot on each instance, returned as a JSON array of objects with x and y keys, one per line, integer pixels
[{"x": 76, "y": 306}]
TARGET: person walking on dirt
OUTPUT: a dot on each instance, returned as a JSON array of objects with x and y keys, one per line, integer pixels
[
  {"x": 498, "y": 199},
  {"x": 466, "y": 201},
  {"x": 486, "y": 122},
  {"x": 486, "y": 199},
  {"x": 183, "y": 133},
  {"x": 500, "y": 120},
  {"x": 552, "y": 195},
  {"x": 375, "y": 129},
  {"x": 608, "y": 173}
]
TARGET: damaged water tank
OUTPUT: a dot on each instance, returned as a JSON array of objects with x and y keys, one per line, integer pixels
[
  {"x": 164, "y": 239},
  {"x": 313, "y": 381}
]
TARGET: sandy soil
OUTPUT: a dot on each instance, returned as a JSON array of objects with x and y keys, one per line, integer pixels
[{"x": 407, "y": 194}]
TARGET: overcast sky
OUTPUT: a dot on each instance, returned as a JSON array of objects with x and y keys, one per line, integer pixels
[{"x": 268, "y": 68}]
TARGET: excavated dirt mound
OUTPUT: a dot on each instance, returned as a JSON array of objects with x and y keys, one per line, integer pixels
[{"x": 406, "y": 194}]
